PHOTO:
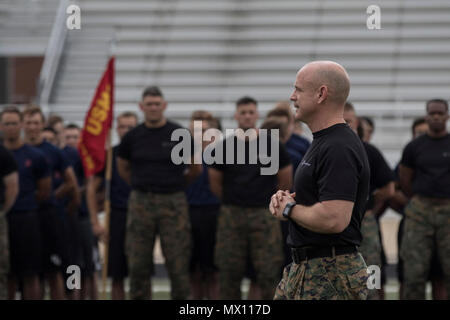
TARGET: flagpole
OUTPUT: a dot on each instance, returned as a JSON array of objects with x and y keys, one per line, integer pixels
[
  {"x": 107, "y": 203},
  {"x": 107, "y": 208}
]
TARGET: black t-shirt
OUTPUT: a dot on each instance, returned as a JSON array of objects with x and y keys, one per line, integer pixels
[
  {"x": 243, "y": 183},
  {"x": 334, "y": 168},
  {"x": 148, "y": 151},
  {"x": 8, "y": 166},
  {"x": 430, "y": 160},
  {"x": 380, "y": 172}
]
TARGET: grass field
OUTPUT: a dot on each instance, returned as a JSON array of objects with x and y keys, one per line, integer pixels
[{"x": 161, "y": 289}]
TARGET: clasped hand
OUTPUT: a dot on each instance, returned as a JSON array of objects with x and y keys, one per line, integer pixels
[{"x": 278, "y": 203}]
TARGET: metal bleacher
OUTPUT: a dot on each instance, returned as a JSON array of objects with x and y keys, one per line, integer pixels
[{"x": 207, "y": 53}]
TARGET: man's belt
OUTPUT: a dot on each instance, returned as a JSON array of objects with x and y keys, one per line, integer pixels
[{"x": 308, "y": 253}]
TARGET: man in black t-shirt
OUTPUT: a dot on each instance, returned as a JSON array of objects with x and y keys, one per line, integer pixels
[
  {"x": 424, "y": 175},
  {"x": 331, "y": 188},
  {"x": 398, "y": 203},
  {"x": 244, "y": 226},
  {"x": 157, "y": 203},
  {"x": 382, "y": 188},
  {"x": 9, "y": 188}
]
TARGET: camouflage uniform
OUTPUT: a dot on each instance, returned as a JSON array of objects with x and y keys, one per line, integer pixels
[
  {"x": 427, "y": 228},
  {"x": 241, "y": 230},
  {"x": 371, "y": 245},
  {"x": 4, "y": 256},
  {"x": 341, "y": 278},
  {"x": 166, "y": 214}
]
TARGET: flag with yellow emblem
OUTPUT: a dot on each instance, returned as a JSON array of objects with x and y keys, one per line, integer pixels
[{"x": 97, "y": 124}]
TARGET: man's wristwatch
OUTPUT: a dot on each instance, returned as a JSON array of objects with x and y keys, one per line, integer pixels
[{"x": 287, "y": 210}]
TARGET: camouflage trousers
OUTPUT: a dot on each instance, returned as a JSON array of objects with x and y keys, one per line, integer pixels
[
  {"x": 427, "y": 228},
  {"x": 242, "y": 231},
  {"x": 343, "y": 277},
  {"x": 4, "y": 256},
  {"x": 371, "y": 246},
  {"x": 167, "y": 215}
]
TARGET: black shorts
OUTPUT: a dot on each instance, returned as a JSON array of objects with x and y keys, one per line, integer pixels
[
  {"x": 204, "y": 226},
  {"x": 250, "y": 272},
  {"x": 85, "y": 247},
  {"x": 25, "y": 243},
  {"x": 117, "y": 261},
  {"x": 436, "y": 271},
  {"x": 72, "y": 238},
  {"x": 54, "y": 244}
]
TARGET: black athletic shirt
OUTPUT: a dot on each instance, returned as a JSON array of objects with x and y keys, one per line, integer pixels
[
  {"x": 430, "y": 160},
  {"x": 380, "y": 172},
  {"x": 243, "y": 184},
  {"x": 148, "y": 151},
  {"x": 8, "y": 166},
  {"x": 334, "y": 168}
]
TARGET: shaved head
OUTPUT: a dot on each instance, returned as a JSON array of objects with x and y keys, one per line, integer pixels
[
  {"x": 320, "y": 91},
  {"x": 330, "y": 74}
]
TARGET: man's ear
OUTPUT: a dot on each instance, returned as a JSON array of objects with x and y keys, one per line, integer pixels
[
  {"x": 164, "y": 105},
  {"x": 141, "y": 107},
  {"x": 323, "y": 94}
]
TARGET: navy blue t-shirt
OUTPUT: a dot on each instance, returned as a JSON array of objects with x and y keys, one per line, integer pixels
[
  {"x": 198, "y": 193},
  {"x": 32, "y": 166},
  {"x": 298, "y": 143},
  {"x": 75, "y": 161},
  {"x": 58, "y": 163},
  {"x": 296, "y": 147}
]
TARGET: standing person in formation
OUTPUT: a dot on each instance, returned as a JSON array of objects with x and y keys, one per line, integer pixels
[
  {"x": 9, "y": 188},
  {"x": 398, "y": 203},
  {"x": 49, "y": 135},
  {"x": 83, "y": 242},
  {"x": 382, "y": 188},
  {"x": 296, "y": 145},
  {"x": 367, "y": 128},
  {"x": 425, "y": 179},
  {"x": 120, "y": 190},
  {"x": 157, "y": 203},
  {"x": 203, "y": 210},
  {"x": 331, "y": 188},
  {"x": 51, "y": 215},
  {"x": 244, "y": 226},
  {"x": 56, "y": 122},
  {"x": 25, "y": 239}
]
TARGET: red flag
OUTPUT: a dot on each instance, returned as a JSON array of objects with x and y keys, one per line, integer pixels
[{"x": 97, "y": 123}]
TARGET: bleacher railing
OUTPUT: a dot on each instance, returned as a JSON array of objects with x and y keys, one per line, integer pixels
[{"x": 53, "y": 55}]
